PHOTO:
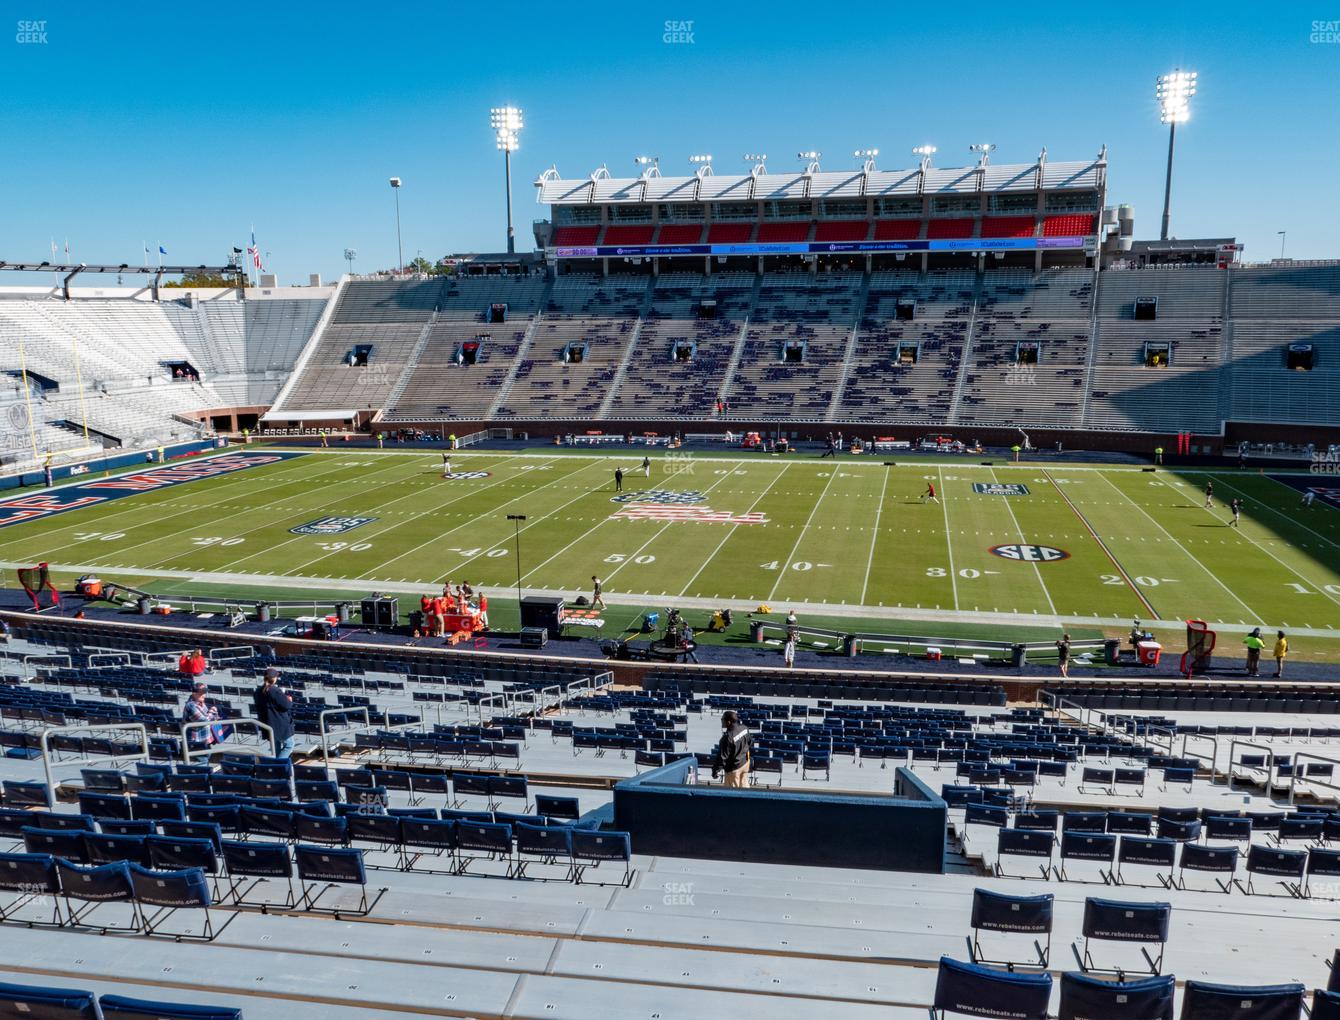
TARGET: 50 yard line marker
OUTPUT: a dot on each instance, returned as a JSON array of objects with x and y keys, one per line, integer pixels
[{"x": 1103, "y": 546}]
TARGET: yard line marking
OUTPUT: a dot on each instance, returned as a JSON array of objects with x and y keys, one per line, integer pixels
[
  {"x": 726, "y": 537},
  {"x": 1195, "y": 559},
  {"x": 137, "y": 508},
  {"x": 1103, "y": 545},
  {"x": 799, "y": 538},
  {"x": 1280, "y": 513},
  {"x": 299, "y": 538},
  {"x": 1024, "y": 538},
  {"x": 612, "y": 517},
  {"x": 870, "y": 559},
  {"x": 474, "y": 519},
  {"x": 949, "y": 537}
]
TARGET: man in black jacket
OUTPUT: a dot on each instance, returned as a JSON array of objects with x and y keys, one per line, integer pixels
[
  {"x": 274, "y": 707},
  {"x": 733, "y": 752}
]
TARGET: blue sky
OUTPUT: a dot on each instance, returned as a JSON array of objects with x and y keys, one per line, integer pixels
[{"x": 173, "y": 127}]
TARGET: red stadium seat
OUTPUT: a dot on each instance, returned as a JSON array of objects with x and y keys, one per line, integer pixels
[
  {"x": 779, "y": 233},
  {"x": 897, "y": 230},
  {"x": 575, "y": 235},
  {"x": 1068, "y": 225},
  {"x": 1008, "y": 226},
  {"x": 729, "y": 233},
  {"x": 843, "y": 230},
  {"x": 680, "y": 233},
  {"x": 943, "y": 229},
  {"x": 629, "y": 233}
]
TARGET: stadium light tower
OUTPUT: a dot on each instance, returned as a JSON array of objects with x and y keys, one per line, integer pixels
[
  {"x": 983, "y": 150},
  {"x": 702, "y": 163},
  {"x": 1174, "y": 92},
  {"x": 516, "y": 520},
  {"x": 651, "y": 165},
  {"x": 400, "y": 249},
  {"x": 507, "y": 125},
  {"x": 869, "y": 156},
  {"x": 349, "y": 255},
  {"x": 760, "y": 161}
]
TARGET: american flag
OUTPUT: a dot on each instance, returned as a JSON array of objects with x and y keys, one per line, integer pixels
[
  {"x": 679, "y": 512},
  {"x": 255, "y": 253}
]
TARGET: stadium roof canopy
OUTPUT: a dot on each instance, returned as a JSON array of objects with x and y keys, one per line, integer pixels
[{"x": 600, "y": 188}]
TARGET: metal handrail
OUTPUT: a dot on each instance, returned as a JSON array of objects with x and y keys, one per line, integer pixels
[
  {"x": 53, "y": 730},
  {"x": 35, "y": 661},
  {"x": 187, "y": 754},
  {"x": 1214, "y": 745},
  {"x": 1293, "y": 772},
  {"x": 231, "y": 652},
  {"x": 1232, "y": 756},
  {"x": 123, "y": 659},
  {"x": 490, "y": 699},
  {"x": 321, "y": 722}
]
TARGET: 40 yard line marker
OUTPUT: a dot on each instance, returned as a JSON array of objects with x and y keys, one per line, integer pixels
[{"x": 1103, "y": 546}]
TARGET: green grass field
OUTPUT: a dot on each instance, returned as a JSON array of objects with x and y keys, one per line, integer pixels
[{"x": 851, "y": 536}]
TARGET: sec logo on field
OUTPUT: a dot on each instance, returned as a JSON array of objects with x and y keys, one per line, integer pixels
[
  {"x": 457, "y": 476},
  {"x": 331, "y": 525},
  {"x": 1024, "y": 552},
  {"x": 659, "y": 496}
]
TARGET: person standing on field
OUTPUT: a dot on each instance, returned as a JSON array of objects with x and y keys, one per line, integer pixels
[
  {"x": 1281, "y": 652},
  {"x": 1209, "y": 494},
  {"x": 646, "y": 467},
  {"x": 596, "y": 600},
  {"x": 1235, "y": 505},
  {"x": 929, "y": 494},
  {"x": 1254, "y": 645},
  {"x": 618, "y": 479}
]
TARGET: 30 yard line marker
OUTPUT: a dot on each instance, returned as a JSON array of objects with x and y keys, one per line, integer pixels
[
  {"x": 873, "y": 537},
  {"x": 949, "y": 538}
]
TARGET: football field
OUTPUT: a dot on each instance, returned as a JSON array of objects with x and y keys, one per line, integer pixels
[{"x": 1101, "y": 544}]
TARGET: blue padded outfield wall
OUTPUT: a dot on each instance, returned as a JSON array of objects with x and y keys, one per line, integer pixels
[{"x": 665, "y": 814}]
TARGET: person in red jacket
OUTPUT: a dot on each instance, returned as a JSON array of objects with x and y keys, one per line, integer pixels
[{"x": 192, "y": 663}]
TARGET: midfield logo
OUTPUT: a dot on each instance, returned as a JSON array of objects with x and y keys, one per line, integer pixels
[
  {"x": 1028, "y": 553},
  {"x": 331, "y": 525},
  {"x": 457, "y": 476},
  {"x": 659, "y": 496},
  {"x": 999, "y": 489}
]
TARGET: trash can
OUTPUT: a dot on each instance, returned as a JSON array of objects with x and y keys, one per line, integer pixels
[
  {"x": 1148, "y": 652},
  {"x": 756, "y": 631},
  {"x": 143, "y": 605},
  {"x": 342, "y": 612},
  {"x": 851, "y": 645},
  {"x": 263, "y": 612},
  {"x": 1112, "y": 652},
  {"x": 1018, "y": 656}
]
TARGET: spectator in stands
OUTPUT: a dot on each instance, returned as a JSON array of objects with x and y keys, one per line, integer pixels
[
  {"x": 198, "y": 710},
  {"x": 274, "y": 707},
  {"x": 1254, "y": 645},
  {"x": 733, "y": 752},
  {"x": 4, "y": 633},
  {"x": 789, "y": 651},
  {"x": 1281, "y": 652},
  {"x": 483, "y": 611},
  {"x": 1063, "y": 656},
  {"x": 192, "y": 663}
]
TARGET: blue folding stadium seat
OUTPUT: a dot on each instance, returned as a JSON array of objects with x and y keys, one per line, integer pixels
[
  {"x": 331, "y": 867},
  {"x": 1130, "y": 823},
  {"x": 95, "y": 886},
  {"x": 260, "y": 861},
  {"x": 1204, "y": 1001},
  {"x": 547, "y": 844},
  {"x": 67, "y": 843},
  {"x": 211, "y": 831},
  {"x": 41, "y": 1003},
  {"x": 557, "y": 807},
  {"x": 1225, "y": 827},
  {"x": 590, "y": 847},
  {"x": 1323, "y": 862},
  {"x": 1023, "y": 915},
  {"x": 482, "y": 841},
  {"x": 1113, "y": 921},
  {"x": 327, "y": 831},
  {"x": 1148, "y": 852},
  {"x": 1325, "y": 1005},
  {"x": 19, "y": 793},
  {"x": 31, "y": 878},
  {"x": 966, "y": 989},
  {"x": 104, "y": 805},
  {"x": 1089, "y": 998},
  {"x": 508, "y": 787},
  {"x": 121, "y": 1007},
  {"x": 158, "y": 806},
  {"x": 1220, "y": 860},
  {"x": 1286, "y": 866},
  {"x": 1081, "y": 845},
  {"x": 170, "y": 891},
  {"x": 1037, "y": 843},
  {"x": 107, "y": 848},
  {"x": 275, "y": 824}
]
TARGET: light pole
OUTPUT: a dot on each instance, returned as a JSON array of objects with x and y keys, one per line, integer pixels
[
  {"x": 400, "y": 251},
  {"x": 349, "y": 256},
  {"x": 1174, "y": 92},
  {"x": 507, "y": 125},
  {"x": 516, "y": 520},
  {"x": 1283, "y": 234}
]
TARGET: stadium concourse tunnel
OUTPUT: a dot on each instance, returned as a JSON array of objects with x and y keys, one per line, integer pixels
[{"x": 666, "y": 813}]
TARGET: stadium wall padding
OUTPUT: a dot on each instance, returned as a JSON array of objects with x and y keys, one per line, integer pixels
[
  {"x": 94, "y": 465},
  {"x": 665, "y": 816}
]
